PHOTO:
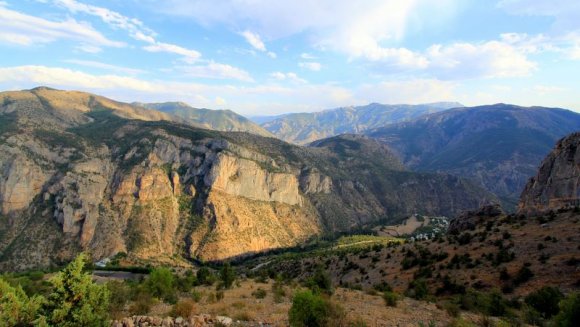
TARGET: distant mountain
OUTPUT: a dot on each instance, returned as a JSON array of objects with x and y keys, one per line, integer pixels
[
  {"x": 303, "y": 128},
  {"x": 219, "y": 120},
  {"x": 500, "y": 146},
  {"x": 260, "y": 120}
]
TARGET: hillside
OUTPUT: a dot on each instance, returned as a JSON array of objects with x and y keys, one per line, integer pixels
[
  {"x": 219, "y": 120},
  {"x": 77, "y": 174},
  {"x": 499, "y": 146},
  {"x": 303, "y": 128}
]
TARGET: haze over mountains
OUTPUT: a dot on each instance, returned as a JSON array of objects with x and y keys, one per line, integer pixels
[{"x": 303, "y": 128}]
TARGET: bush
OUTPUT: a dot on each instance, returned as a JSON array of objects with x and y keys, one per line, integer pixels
[
  {"x": 76, "y": 300},
  {"x": 390, "y": 298},
  {"x": 205, "y": 277},
  {"x": 260, "y": 293},
  {"x": 17, "y": 309},
  {"x": 142, "y": 304},
  {"x": 320, "y": 282},
  {"x": 119, "y": 295},
  {"x": 523, "y": 275},
  {"x": 227, "y": 275},
  {"x": 184, "y": 308},
  {"x": 452, "y": 309},
  {"x": 569, "y": 315},
  {"x": 309, "y": 310},
  {"x": 545, "y": 301},
  {"x": 418, "y": 289},
  {"x": 161, "y": 283}
]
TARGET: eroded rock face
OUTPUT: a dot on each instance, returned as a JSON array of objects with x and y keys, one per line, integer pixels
[
  {"x": 472, "y": 218},
  {"x": 557, "y": 183}
]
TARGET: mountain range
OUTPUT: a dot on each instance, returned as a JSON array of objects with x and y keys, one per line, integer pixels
[
  {"x": 498, "y": 146},
  {"x": 303, "y": 128},
  {"x": 80, "y": 172}
]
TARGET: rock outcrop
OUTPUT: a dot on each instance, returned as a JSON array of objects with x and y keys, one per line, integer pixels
[
  {"x": 557, "y": 183},
  {"x": 470, "y": 219}
]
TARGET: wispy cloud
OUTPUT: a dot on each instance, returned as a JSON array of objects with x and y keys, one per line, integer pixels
[
  {"x": 134, "y": 27},
  {"x": 215, "y": 70},
  {"x": 313, "y": 66},
  {"x": 291, "y": 77},
  {"x": 104, "y": 66},
  {"x": 22, "y": 29},
  {"x": 256, "y": 42}
]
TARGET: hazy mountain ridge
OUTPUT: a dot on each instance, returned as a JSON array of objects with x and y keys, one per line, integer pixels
[
  {"x": 220, "y": 120},
  {"x": 77, "y": 175},
  {"x": 499, "y": 146},
  {"x": 303, "y": 128}
]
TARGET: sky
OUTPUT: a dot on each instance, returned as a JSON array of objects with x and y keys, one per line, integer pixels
[{"x": 267, "y": 57}]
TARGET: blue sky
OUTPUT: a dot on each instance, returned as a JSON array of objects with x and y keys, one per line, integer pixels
[{"x": 261, "y": 57}]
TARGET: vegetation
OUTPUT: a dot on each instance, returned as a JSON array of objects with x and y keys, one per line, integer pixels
[{"x": 309, "y": 310}]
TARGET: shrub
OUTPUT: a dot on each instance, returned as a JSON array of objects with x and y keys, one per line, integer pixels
[
  {"x": 545, "y": 301},
  {"x": 320, "y": 282},
  {"x": 418, "y": 289},
  {"x": 260, "y": 293},
  {"x": 184, "y": 308},
  {"x": 142, "y": 304},
  {"x": 523, "y": 275},
  {"x": 205, "y": 277},
  {"x": 119, "y": 295},
  {"x": 309, "y": 310},
  {"x": 161, "y": 283},
  {"x": 227, "y": 275},
  {"x": 569, "y": 315},
  {"x": 76, "y": 300},
  {"x": 390, "y": 298},
  {"x": 278, "y": 292},
  {"x": 452, "y": 309},
  {"x": 16, "y": 308}
]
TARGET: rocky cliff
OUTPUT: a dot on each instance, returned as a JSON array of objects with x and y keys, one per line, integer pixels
[
  {"x": 557, "y": 183},
  {"x": 81, "y": 172}
]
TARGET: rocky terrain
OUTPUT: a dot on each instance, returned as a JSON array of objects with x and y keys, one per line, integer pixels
[
  {"x": 219, "y": 120},
  {"x": 303, "y": 128},
  {"x": 484, "y": 249},
  {"x": 82, "y": 172},
  {"x": 557, "y": 183},
  {"x": 498, "y": 146}
]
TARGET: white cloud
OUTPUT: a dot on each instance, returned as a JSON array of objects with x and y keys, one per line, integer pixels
[
  {"x": 189, "y": 56},
  {"x": 307, "y": 56},
  {"x": 272, "y": 55},
  {"x": 135, "y": 28},
  {"x": 414, "y": 91},
  {"x": 565, "y": 12},
  {"x": 219, "y": 101},
  {"x": 89, "y": 48},
  {"x": 313, "y": 66},
  {"x": 254, "y": 40},
  {"x": 291, "y": 77},
  {"x": 21, "y": 29},
  {"x": 353, "y": 27},
  {"x": 488, "y": 60},
  {"x": 216, "y": 71},
  {"x": 100, "y": 65}
]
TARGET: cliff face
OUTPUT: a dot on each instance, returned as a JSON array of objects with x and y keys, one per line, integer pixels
[
  {"x": 557, "y": 183},
  {"x": 76, "y": 174}
]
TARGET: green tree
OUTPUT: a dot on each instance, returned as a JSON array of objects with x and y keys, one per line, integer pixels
[
  {"x": 569, "y": 315},
  {"x": 227, "y": 275},
  {"x": 545, "y": 301},
  {"x": 320, "y": 282},
  {"x": 204, "y": 276},
  {"x": 75, "y": 299},
  {"x": 308, "y": 310},
  {"x": 161, "y": 283},
  {"x": 17, "y": 309}
]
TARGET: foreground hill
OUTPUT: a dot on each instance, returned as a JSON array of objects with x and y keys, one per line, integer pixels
[
  {"x": 484, "y": 250},
  {"x": 499, "y": 146},
  {"x": 77, "y": 172},
  {"x": 303, "y": 128},
  {"x": 219, "y": 120}
]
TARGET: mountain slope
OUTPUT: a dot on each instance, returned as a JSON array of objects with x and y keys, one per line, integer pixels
[
  {"x": 557, "y": 183},
  {"x": 303, "y": 128},
  {"x": 219, "y": 120},
  {"x": 80, "y": 177},
  {"x": 499, "y": 146}
]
